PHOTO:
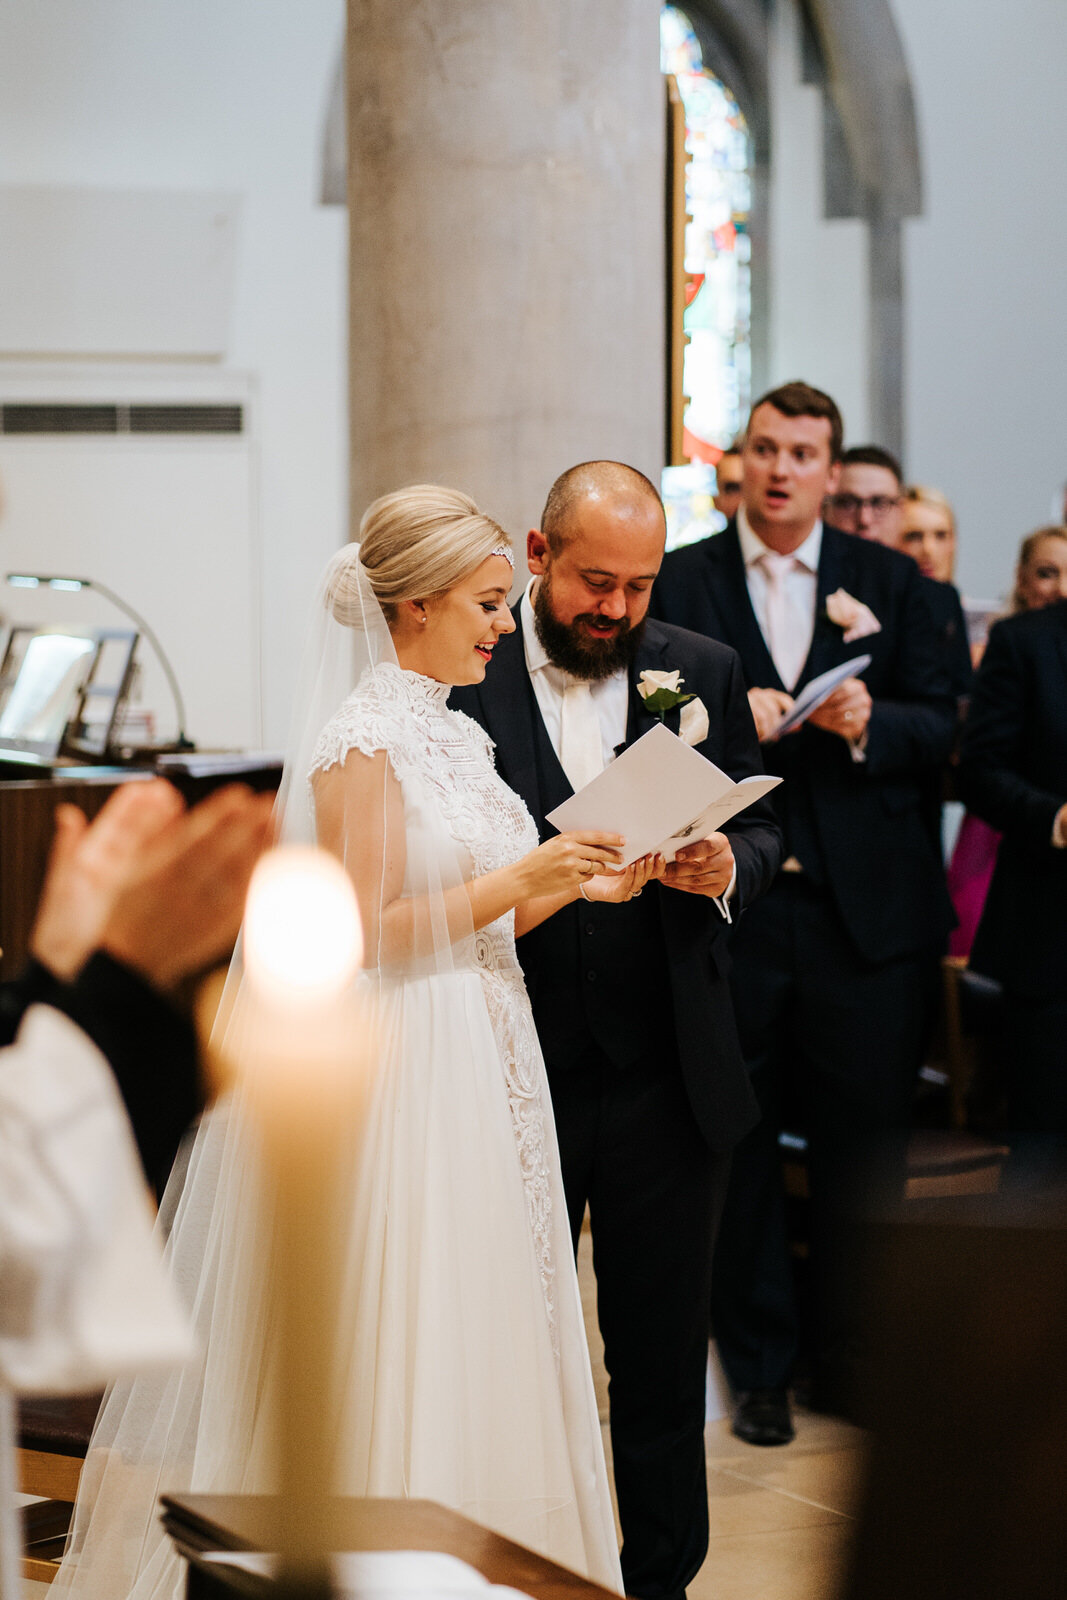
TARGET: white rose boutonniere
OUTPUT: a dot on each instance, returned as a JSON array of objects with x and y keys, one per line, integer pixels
[
  {"x": 662, "y": 692},
  {"x": 853, "y": 616}
]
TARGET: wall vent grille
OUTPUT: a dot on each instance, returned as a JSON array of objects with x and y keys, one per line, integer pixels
[{"x": 49, "y": 418}]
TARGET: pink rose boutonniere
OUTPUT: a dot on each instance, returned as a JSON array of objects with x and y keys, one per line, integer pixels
[{"x": 853, "y": 616}]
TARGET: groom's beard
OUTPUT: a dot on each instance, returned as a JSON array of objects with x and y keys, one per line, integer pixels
[{"x": 577, "y": 653}]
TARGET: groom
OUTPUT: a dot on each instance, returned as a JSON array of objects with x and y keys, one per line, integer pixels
[{"x": 631, "y": 1002}]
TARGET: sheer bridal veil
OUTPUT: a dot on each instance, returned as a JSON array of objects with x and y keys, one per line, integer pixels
[
  {"x": 466, "y": 1371},
  {"x": 206, "y": 1427}
]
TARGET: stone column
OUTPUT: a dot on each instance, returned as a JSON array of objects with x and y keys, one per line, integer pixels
[{"x": 506, "y": 195}]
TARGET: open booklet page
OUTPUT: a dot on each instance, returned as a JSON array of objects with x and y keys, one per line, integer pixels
[
  {"x": 660, "y": 794},
  {"x": 814, "y": 693}
]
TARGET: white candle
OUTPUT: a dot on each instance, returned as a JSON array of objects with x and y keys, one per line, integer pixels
[{"x": 306, "y": 1063}]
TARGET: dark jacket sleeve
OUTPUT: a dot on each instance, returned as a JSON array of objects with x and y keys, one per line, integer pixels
[
  {"x": 35, "y": 986},
  {"x": 149, "y": 1045},
  {"x": 992, "y": 758}
]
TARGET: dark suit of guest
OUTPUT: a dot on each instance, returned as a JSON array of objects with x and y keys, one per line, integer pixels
[
  {"x": 649, "y": 1092},
  {"x": 1013, "y": 774},
  {"x": 828, "y": 967}
]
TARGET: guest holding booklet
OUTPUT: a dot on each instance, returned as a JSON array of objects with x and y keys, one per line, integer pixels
[{"x": 829, "y": 968}]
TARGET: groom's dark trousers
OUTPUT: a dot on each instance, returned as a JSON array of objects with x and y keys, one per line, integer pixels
[{"x": 649, "y": 1093}]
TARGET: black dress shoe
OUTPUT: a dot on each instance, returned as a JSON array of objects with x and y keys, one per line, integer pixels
[{"x": 762, "y": 1416}]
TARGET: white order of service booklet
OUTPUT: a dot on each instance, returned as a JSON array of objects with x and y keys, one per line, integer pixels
[
  {"x": 813, "y": 694},
  {"x": 660, "y": 794}
]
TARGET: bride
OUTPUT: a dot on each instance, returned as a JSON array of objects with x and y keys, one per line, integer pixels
[{"x": 467, "y": 1374}]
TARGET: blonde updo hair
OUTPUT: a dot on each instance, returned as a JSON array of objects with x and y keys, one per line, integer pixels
[{"x": 413, "y": 543}]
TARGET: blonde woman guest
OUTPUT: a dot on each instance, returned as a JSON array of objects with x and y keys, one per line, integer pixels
[{"x": 1041, "y": 569}]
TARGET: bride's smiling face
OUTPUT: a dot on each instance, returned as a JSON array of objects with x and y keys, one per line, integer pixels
[{"x": 451, "y": 636}]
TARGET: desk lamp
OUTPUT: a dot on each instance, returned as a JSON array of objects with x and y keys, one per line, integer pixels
[{"x": 37, "y": 580}]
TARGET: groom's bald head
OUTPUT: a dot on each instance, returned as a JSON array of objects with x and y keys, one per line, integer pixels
[
  {"x": 595, "y": 555},
  {"x": 606, "y": 483}
]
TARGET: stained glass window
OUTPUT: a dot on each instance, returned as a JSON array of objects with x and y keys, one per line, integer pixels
[{"x": 716, "y": 369}]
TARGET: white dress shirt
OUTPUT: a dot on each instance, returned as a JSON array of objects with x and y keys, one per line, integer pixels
[
  {"x": 801, "y": 585},
  {"x": 610, "y": 696},
  {"x": 802, "y": 596}
]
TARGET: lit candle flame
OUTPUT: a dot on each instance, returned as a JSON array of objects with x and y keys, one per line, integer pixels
[{"x": 303, "y": 939}]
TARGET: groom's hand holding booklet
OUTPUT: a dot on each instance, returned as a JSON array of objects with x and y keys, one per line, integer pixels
[{"x": 660, "y": 795}]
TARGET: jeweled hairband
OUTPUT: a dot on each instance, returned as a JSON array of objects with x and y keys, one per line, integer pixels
[{"x": 505, "y": 551}]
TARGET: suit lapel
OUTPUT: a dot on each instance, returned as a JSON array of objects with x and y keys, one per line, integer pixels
[
  {"x": 510, "y": 710},
  {"x": 650, "y": 657},
  {"x": 834, "y": 573},
  {"x": 737, "y": 622}
]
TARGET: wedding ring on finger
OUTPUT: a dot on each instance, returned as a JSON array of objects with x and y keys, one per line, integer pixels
[{"x": 848, "y": 716}]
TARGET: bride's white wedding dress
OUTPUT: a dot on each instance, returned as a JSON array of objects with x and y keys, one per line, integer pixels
[{"x": 468, "y": 1380}]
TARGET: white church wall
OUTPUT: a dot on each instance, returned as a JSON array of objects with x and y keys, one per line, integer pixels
[
  {"x": 200, "y": 97},
  {"x": 986, "y": 349},
  {"x": 818, "y": 267}
]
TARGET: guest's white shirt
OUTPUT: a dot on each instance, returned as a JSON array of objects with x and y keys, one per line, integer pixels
[
  {"x": 801, "y": 582},
  {"x": 802, "y": 594},
  {"x": 611, "y": 697}
]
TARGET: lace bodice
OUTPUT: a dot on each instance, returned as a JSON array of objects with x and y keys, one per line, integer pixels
[
  {"x": 407, "y": 716},
  {"x": 445, "y": 755}
]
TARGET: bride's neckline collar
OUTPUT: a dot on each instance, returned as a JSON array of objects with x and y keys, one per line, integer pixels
[{"x": 421, "y": 687}]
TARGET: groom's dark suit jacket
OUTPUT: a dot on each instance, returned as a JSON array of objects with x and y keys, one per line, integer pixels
[
  {"x": 857, "y": 828},
  {"x": 650, "y": 974}
]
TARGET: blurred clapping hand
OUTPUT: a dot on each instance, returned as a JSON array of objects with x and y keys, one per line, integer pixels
[{"x": 156, "y": 886}]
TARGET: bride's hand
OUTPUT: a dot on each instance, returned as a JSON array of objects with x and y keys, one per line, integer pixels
[
  {"x": 616, "y": 886},
  {"x": 562, "y": 863}
]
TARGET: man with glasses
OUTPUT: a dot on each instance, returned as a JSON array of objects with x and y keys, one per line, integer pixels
[
  {"x": 728, "y": 482},
  {"x": 869, "y": 495}
]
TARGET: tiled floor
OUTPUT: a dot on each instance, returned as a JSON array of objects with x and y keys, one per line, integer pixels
[{"x": 780, "y": 1518}]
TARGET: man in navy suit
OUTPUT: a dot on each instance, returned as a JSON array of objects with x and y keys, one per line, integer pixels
[
  {"x": 631, "y": 1002},
  {"x": 1013, "y": 773},
  {"x": 828, "y": 967}
]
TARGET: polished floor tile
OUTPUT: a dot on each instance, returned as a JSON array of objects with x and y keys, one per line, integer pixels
[{"x": 795, "y": 1564}]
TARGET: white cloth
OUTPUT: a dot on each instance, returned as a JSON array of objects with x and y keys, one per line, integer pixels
[
  {"x": 83, "y": 1293},
  {"x": 784, "y": 594},
  {"x": 610, "y": 696},
  {"x": 467, "y": 1378}
]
